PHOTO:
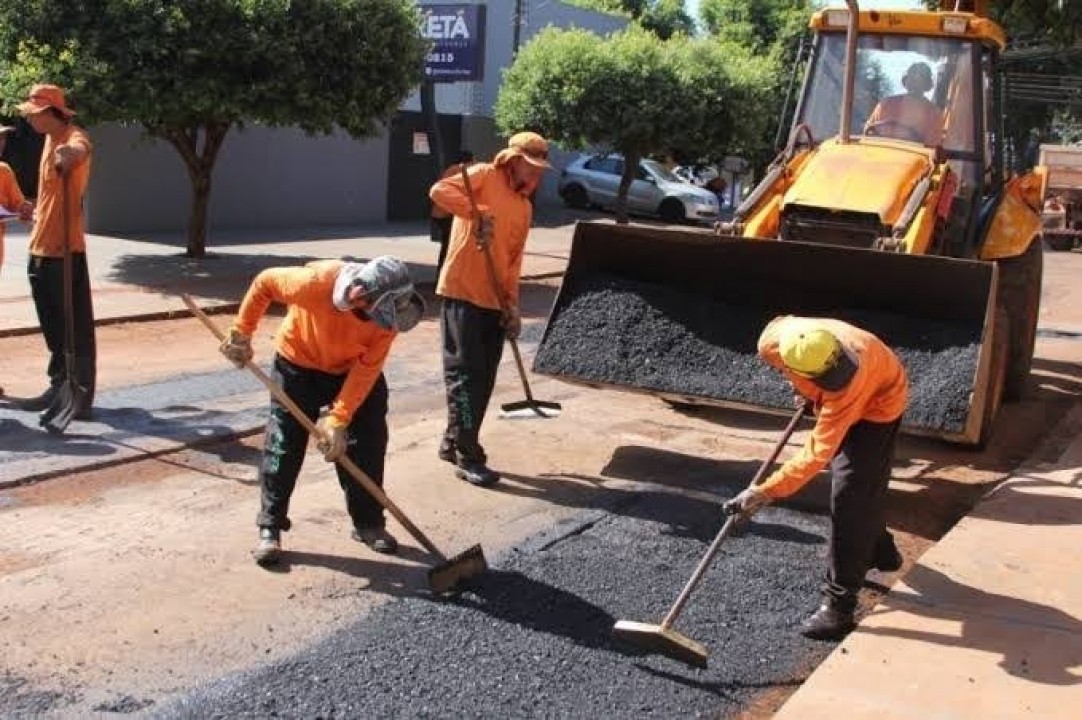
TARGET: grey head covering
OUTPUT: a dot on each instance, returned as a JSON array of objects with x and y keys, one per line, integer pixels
[{"x": 385, "y": 286}]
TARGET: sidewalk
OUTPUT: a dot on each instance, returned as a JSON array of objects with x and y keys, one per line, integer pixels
[
  {"x": 987, "y": 625},
  {"x": 143, "y": 277}
]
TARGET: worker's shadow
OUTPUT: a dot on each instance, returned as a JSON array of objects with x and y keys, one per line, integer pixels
[
  {"x": 385, "y": 577},
  {"x": 990, "y": 623},
  {"x": 515, "y": 598}
]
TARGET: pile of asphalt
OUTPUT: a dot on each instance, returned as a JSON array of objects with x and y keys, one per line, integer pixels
[
  {"x": 532, "y": 638},
  {"x": 611, "y": 330}
]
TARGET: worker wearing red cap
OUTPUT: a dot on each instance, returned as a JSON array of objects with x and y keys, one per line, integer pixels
[
  {"x": 341, "y": 320},
  {"x": 472, "y": 322},
  {"x": 859, "y": 390}
]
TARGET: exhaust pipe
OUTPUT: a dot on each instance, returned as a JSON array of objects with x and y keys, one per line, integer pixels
[{"x": 850, "y": 71}]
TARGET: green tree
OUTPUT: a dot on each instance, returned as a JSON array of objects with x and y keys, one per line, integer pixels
[
  {"x": 630, "y": 93},
  {"x": 664, "y": 18},
  {"x": 759, "y": 24},
  {"x": 188, "y": 71}
]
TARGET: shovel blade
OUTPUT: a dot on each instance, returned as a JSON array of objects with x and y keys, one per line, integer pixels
[
  {"x": 448, "y": 575},
  {"x": 527, "y": 409},
  {"x": 67, "y": 403},
  {"x": 658, "y": 640}
]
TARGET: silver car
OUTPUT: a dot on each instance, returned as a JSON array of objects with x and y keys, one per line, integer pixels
[{"x": 594, "y": 180}]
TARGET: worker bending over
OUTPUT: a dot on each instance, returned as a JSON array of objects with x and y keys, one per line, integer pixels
[
  {"x": 858, "y": 390},
  {"x": 342, "y": 318}
]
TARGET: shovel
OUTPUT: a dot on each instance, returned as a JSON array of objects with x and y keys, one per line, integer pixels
[
  {"x": 70, "y": 395},
  {"x": 529, "y": 407},
  {"x": 662, "y": 639},
  {"x": 442, "y": 577}
]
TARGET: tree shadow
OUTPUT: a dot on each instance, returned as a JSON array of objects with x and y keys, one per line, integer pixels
[{"x": 991, "y": 623}]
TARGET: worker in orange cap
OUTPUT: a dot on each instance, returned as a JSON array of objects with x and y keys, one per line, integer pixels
[
  {"x": 859, "y": 391},
  {"x": 472, "y": 322}
]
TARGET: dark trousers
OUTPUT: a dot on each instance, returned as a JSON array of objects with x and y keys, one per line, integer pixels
[
  {"x": 439, "y": 231},
  {"x": 286, "y": 441},
  {"x": 860, "y": 475},
  {"x": 473, "y": 340},
  {"x": 47, "y": 288}
]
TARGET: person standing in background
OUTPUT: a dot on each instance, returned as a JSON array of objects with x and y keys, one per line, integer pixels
[{"x": 11, "y": 196}]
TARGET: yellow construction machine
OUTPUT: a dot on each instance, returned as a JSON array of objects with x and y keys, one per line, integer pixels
[{"x": 895, "y": 213}]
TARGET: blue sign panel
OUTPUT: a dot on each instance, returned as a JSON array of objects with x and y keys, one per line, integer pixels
[{"x": 457, "y": 34}]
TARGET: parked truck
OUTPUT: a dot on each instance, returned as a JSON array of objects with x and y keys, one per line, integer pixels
[{"x": 1062, "y": 215}]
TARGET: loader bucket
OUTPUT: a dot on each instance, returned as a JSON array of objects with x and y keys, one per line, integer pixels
[{"x": 677, "y": 314}]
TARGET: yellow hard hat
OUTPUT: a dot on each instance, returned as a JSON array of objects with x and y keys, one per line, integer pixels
[{"x": 808, "y": 350}]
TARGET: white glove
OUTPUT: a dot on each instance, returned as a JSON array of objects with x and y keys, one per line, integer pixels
[
  {"x": 747, "y": 502},
  {"x": 332, "y": 440},
  {"x": 237, "y": 348}
]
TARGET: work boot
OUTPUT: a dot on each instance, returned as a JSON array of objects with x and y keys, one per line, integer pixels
[
  {"x": 887, "y": 558},
  {"x": 36, "y": 404},
  {"x": 476, "y": 473},
  {"x": 269, "y": 549},
  {"x": 447, "y": 452},
  {"x": 377, "y": 539},
  {"x": 828, "y": 623}
]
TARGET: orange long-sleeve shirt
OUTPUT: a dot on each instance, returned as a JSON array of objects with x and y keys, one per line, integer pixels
[
  {"x": 878, "y": 392},
  {"x": 47, "y": 237},
  {"x": 315, "y": 334},
  {"x": 11, "y": 197},
  {"x": 464, "y": 275}
]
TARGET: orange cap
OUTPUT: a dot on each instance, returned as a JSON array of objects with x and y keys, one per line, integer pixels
[{"x": 43, "y": 97}]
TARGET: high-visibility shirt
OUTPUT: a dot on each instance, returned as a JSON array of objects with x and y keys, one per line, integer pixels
[
  {"x": 47, "y": 237},
  {"x": 915, "y": 113},
  {"x": 317, "y": 335},
  {"x": 11, "y": 197},
  {"x": 878, "y": 392},
  {"x": 464, "y": 275}
]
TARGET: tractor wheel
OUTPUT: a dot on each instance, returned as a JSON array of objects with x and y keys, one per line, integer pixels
[{"x": 1020, "y": 298}]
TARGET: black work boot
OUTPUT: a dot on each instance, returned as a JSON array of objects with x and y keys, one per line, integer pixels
[
  {"x": 828, "y": 623},
  {"x": 447, "y": 451},
  {"x": 887, "y": 558},
  {"x": 477, "y": 473},
  {"x": 269, "y": 549},
  {"x": 377, "y": 538}
]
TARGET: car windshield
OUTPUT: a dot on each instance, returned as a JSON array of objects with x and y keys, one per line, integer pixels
[
  {"x": 660, "y": 171},
  {"x": 918, "y": 89}
]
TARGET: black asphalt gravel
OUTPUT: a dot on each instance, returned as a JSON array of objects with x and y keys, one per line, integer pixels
[
  {"x": 532, "y": 637},
  {"x": 613, "y": 330}
]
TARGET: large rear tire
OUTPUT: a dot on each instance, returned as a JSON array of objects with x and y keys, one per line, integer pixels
[{"x": 1020, "y": 299}]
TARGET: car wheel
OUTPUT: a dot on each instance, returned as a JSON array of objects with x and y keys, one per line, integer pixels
[
  {"x": 672, "y": 211},
  {"x": 575, "y": 197}
]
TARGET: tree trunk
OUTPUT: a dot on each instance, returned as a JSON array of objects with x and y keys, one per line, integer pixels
[
  {"x": 198, "y": 147},
  {"x": 631, "y": 171}
]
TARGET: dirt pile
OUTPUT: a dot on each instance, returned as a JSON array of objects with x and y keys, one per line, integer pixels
[{"x": 617, "y": 331}]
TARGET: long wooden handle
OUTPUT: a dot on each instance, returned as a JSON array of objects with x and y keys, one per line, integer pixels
[
  {"x": 730, "y": 523},
  {"x": 496, "y": 288},
  {"x": 359, "y": 475}
]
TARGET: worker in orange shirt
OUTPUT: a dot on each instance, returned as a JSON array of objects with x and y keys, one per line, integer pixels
[
  {"x": 11, "y": 196},
  {"x": 909, "y": 116},
  {"x": 67, "y": 152},
  {"x": 859, "y": 390},
  {"x": 341, "y": 320},
  {"x": 472, "y": 324},
  {"x": 441, "y": 221}
]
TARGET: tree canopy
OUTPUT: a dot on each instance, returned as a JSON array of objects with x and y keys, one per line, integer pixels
[
  {"x": 664, "y": 18},
  {"x": 634, "y": 94},
  {"x": 189, "y": 70}
]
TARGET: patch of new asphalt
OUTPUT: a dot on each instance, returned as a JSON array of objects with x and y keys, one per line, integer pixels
[{"x": 532, "y": 638}]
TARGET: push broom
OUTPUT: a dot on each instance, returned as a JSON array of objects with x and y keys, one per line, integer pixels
[
  {"x": 662, "y": 639},
  {"x": 447, "y": 573},
  {"x": 530, "y": 407}
]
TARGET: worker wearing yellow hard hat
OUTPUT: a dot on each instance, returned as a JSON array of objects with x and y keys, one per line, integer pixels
[{"x": 859, "y": 391}]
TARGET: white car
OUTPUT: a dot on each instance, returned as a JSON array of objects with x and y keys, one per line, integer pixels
[{"x": 595, "y": 179}]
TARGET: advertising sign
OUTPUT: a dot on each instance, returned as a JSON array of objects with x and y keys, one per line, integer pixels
[{"x": 457, "y": 34}]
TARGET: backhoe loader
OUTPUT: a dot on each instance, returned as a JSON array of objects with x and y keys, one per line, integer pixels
[{"x": 895, "y": 213}]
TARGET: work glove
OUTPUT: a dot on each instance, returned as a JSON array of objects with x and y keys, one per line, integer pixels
[
  {"x": 511, "y": 322},
  {"x": 747, "y": 502},
  {"x": 332, "y": 440},
  {"x": 237, "y": 348},
  {"x": 484, "y": 228}
]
